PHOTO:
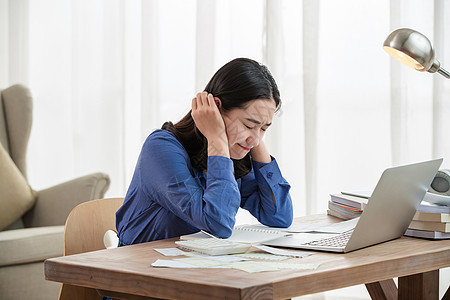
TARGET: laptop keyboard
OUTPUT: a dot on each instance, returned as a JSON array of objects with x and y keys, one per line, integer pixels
[{"x": 339, "y": 240}]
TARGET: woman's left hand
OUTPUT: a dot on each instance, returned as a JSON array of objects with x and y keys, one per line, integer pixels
[{"x": 260, "y": 153}]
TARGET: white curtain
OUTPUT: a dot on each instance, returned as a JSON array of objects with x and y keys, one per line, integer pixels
[{"x": 105, "y": 73}]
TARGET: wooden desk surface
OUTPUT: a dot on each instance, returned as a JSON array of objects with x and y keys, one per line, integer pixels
[{"x": 128, "y": 270}]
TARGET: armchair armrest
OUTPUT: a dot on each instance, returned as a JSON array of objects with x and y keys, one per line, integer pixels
[{"x": 54, "y": 204}]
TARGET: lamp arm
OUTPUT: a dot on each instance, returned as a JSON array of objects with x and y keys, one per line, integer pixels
[{"x": 444, "y": 73}]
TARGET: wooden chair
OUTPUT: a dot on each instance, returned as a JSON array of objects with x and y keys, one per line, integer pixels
[{"x": 83, "y": 232}]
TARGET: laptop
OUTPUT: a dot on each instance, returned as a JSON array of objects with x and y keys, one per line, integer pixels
[{"x": 386, "y": 216}]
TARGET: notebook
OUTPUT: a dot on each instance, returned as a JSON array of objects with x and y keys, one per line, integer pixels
[
  {"x": 248, "y": 234},
  {"x": 212, "y": 246},
  {"x": 387, "y": 215}
]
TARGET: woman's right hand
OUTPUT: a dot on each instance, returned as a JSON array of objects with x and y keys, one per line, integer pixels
[{"x": 207, "y": 118}]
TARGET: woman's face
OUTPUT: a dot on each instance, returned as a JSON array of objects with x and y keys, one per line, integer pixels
[{"x": 246, "y": 126}]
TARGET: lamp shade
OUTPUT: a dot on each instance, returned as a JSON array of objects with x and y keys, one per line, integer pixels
[{"x": 414, "y": 50}]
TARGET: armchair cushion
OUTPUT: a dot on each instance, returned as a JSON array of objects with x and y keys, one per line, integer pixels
[
  {"x": 30, "y": 244},
  {"x": 54, "y": 204},
  {"x": 16, "y": 196},
  {"x": 18, "y": 110}
]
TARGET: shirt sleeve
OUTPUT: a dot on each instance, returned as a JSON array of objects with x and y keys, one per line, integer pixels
[
  {"x": 263, "y": 186},
  {"x": 167, "y": 178}
]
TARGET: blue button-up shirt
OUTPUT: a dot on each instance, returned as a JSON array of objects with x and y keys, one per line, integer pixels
[{"x": 168, "y": 197}]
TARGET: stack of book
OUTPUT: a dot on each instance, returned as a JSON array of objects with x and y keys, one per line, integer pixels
[
  {"x": 430, "y": 221},
  {"x": 346, "y": 206}
]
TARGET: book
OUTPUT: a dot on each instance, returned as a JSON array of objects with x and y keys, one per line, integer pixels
[
  {"x": 337, "y": 215},
  {"x": 431, "y": 217},
  {"x": 248, "y": 234},
  {"x": 430, "y": 226},
  {"x": 255, "y": 234},
  {"x": 343, "y": 211},
  {"x": 433, "y": 208},
  {"x": 350, "y": 200},
  {"x": 431, "y": 203},
  {"x": 434, "y": 235}
]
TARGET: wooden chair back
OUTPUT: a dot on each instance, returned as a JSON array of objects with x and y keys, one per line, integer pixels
[{"x": 83, "y": 232}]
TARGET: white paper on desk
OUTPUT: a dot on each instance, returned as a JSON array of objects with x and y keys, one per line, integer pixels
[
  {"x": 221, "y": 258},
  {"x": 263, "y": 256},
  {"x": 201, "y": 262},
  {"x": 297, "y": 239},
  {"x": 339, "y": 227},
  {"x": 282, "y": 252}
]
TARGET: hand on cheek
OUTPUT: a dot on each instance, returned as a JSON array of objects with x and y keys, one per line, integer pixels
[{"x": 260, "y": 153}]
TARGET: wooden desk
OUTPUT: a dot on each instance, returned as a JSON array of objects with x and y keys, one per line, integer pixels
[{"x": 126, "y": 272}]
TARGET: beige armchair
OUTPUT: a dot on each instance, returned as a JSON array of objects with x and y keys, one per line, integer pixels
[{"x": 37, "y": 233}]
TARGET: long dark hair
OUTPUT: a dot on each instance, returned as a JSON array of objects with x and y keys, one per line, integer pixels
[{"x": 235, "y": 84}]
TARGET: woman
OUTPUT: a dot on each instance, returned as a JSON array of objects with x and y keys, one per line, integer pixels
[{"x": 195, "y": 174}]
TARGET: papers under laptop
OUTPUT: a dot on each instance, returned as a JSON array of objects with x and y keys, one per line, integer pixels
[{"x": 386, "y": 217}]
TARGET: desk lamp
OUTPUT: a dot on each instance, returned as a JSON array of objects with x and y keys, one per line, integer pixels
[{"x": 414, "y": 50}]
